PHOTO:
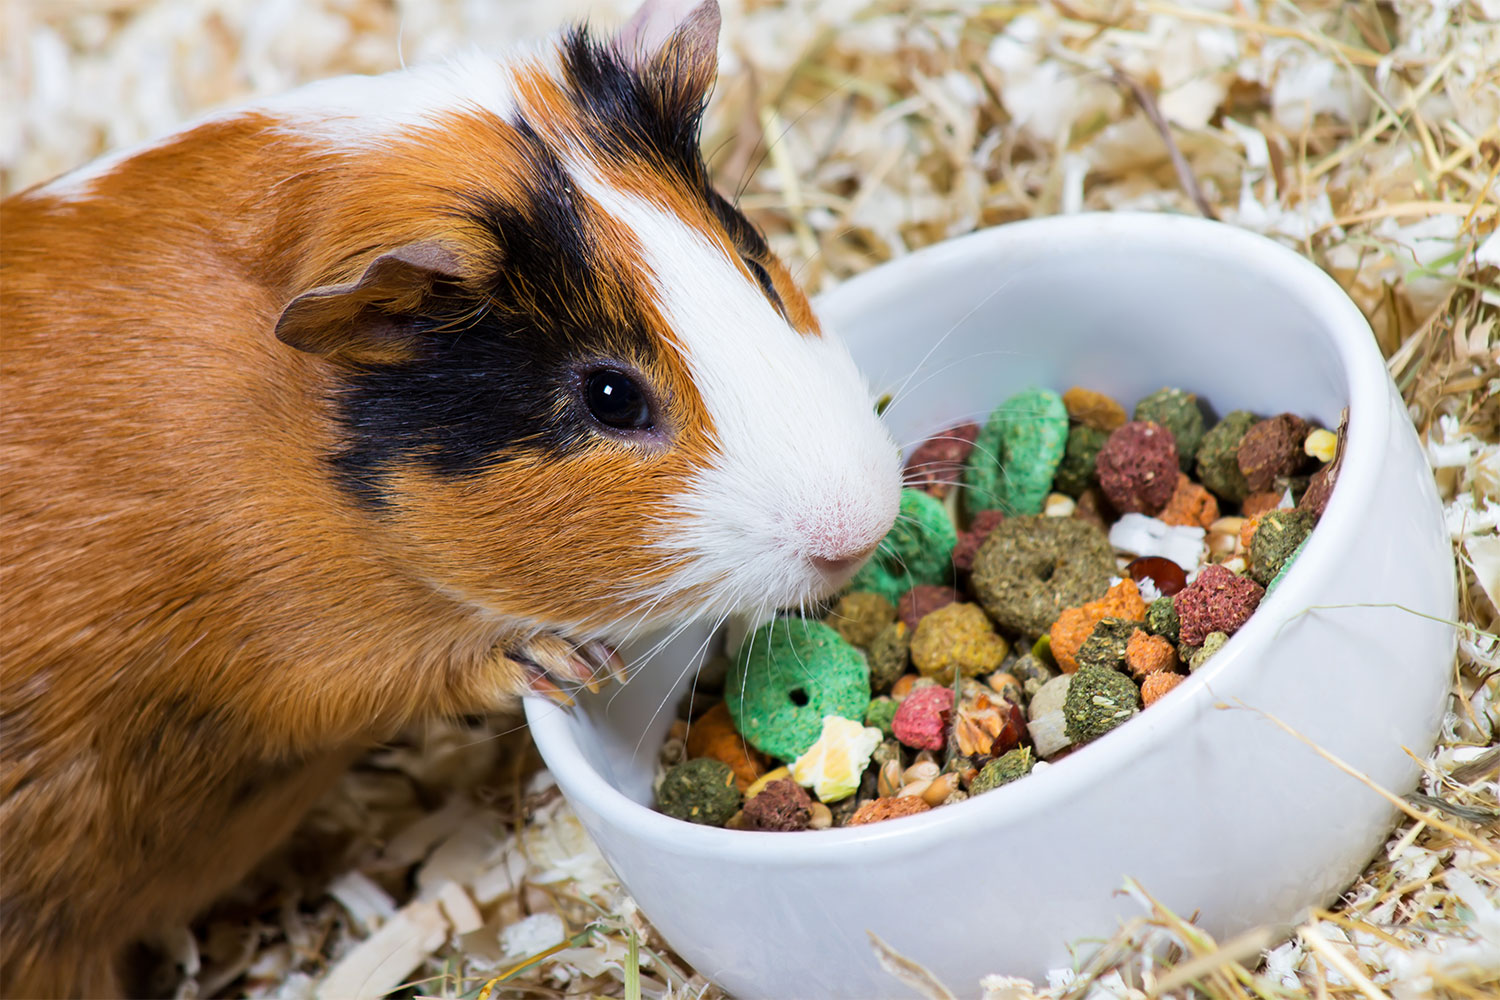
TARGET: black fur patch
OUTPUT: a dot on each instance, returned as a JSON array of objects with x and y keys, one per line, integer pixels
[
  {"x": 631, "y": 116},
  {"x": 495, "y": 378},
  {"x": 635, "y": 117}
]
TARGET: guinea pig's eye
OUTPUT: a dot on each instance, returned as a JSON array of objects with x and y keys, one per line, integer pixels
[{"x": 617, "y": 400}]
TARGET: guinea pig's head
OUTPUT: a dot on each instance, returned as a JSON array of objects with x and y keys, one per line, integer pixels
[{"x": 583, "y": 393}]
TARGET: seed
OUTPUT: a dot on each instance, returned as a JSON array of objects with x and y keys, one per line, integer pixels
[
  {"x": 889, "y": 781},
  {"x": 822, "y": 817},
  {"x": 915, "y": 788},
  {"x": 921, "y": 770},
  {"x": 941, "y": 787}
]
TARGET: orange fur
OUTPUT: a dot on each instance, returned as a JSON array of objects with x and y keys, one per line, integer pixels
[{"x": 199, "y": 627}]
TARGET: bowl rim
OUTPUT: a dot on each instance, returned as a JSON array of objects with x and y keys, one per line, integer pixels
[{"x": 1370, "y": 408}]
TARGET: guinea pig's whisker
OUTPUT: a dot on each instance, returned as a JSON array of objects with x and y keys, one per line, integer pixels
[
  {"x": 755, "y": 168},
  {"x": 904, "y": 391},
  {"x": 688, "y": 663},
  {"x": 681, "y": 674},
  {"x": 902, "y": 388}
]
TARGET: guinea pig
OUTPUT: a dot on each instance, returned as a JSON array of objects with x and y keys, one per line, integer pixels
[{"x": 389, "y": 398}]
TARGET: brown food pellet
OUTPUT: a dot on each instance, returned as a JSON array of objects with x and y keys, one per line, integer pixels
[
  {"x": 882, "y": 809},
  {"x": 1093, "y": 409},
  {"x": 1168, "y": 577},
  {"x": 782, "y": 806},
  {"x": 1075, "y": 625},
  {"x": 938, "y": 463},
  {"x": 1272, "y": 448},
  {"x": 1190, "y": 505},
  {"x": 969, "y": 541},
  {"x": 1157, "y": 684},
  {"x": 1094, "y": 508},
  {"x": 1257, "y": 504},
  {"x": 1147, "y": 654},
  {"x": 1319, "y": 489},
  {"x": 921, "y": 601},
  {"x": 713, "y": 735},
  {"x": 1137, "y": 467}
]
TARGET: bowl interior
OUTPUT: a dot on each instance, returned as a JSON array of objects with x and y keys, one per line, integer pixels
[{"x": 1121, "y": 304}]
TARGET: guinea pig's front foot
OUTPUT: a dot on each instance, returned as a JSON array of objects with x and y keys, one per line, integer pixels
[{"x": 554, "y": 666}]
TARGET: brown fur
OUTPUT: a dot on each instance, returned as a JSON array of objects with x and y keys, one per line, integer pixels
[{"x": 199, "y": 627}]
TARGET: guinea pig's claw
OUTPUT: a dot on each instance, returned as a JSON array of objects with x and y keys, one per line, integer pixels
[
  {"x": 542, "y": 684},
  {"x": 606, "y": 659},
  {"x": 557, "y": 658}
]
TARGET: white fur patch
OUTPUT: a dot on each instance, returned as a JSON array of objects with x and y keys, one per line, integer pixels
[
  {"x": 804, "y": 463},
  {"x": 356, "y": 112}
]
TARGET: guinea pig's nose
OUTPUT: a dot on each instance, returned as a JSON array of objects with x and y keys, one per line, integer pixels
[{"x": 839, "y": 564}]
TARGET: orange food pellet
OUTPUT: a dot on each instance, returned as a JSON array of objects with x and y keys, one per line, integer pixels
[
  {"x": 1157, "y": 684},
  {"x": 1257, "y": 504},
  {"x": 1190, "y": 505},
  {"x": 878, "y": 809},
  {"x": 903, "y": 684},
  {"x": 1093, "y": 409},
  {"x": 713, "y": 735},
  {"x": 1247, "y": 531},
  {"x": 1075, "y": 625},
  {"x": 1147, "y": 654}
]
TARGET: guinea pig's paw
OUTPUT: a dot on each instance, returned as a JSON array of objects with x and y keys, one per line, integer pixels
[{"x": 555, "y": 665}]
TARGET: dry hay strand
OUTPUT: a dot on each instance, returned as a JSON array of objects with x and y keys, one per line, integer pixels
[{"x": 1366, "y": 135}]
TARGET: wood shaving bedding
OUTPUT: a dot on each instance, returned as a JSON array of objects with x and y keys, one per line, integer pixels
[{"x": 1366, "y": 135}]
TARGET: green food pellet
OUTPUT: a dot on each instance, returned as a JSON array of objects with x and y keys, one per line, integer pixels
[
  {"x": 1031, "y": 672},
  {"x": 1076, "y": 470},
  {"x": 887, "y": 751},
  {"x": 1105, "y": 646},
  {"x": 699, "y": 791},
  {"x": 859, "y": 617},
  {"x": 890, "y": 656},
  {"x": 1017, "y": 454},
  {"x": 1281, "y": 573},
  {"x": 1161, "y": 618},
  {"x": 1002, "y": 770},
  {"x": 1178, "y": 412},
  {"x": 918, "y": 550},
  {"x": 879, "y": 715},
  {"x": 1031, "y": 568},
  {"x": 1099, "y": 699},
  {"x": 787, "y": 676},
  {"x": 1277, "y": 536},
  {"x": 1198, "y": 656},
  {"x": 1218, "y": 456}
]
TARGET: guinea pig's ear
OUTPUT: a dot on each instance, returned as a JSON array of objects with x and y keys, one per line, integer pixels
[
  {"x": 369, "y": 320},
  {"x": 679, "y": 36}
]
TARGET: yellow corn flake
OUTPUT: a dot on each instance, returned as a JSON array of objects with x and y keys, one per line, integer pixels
[
  {"x": 833, "y": 766},
  {"x": 1321, "y": 444}
]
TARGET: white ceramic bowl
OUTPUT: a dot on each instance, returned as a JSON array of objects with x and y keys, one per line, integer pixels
[{"x": 1201, "y": 799}]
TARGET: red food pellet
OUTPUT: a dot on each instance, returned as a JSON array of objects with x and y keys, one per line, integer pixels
[
  {"x": 969, "y": 541},
  {"x": 921, "y": 722},
  {"x": 1218, "y": 601},
  {"x": 1167, "y": 575},
  {"x": 921, "y": 601},
  {"x": 938, "y": 462},
  {"x": 1137, "y": 467}
]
